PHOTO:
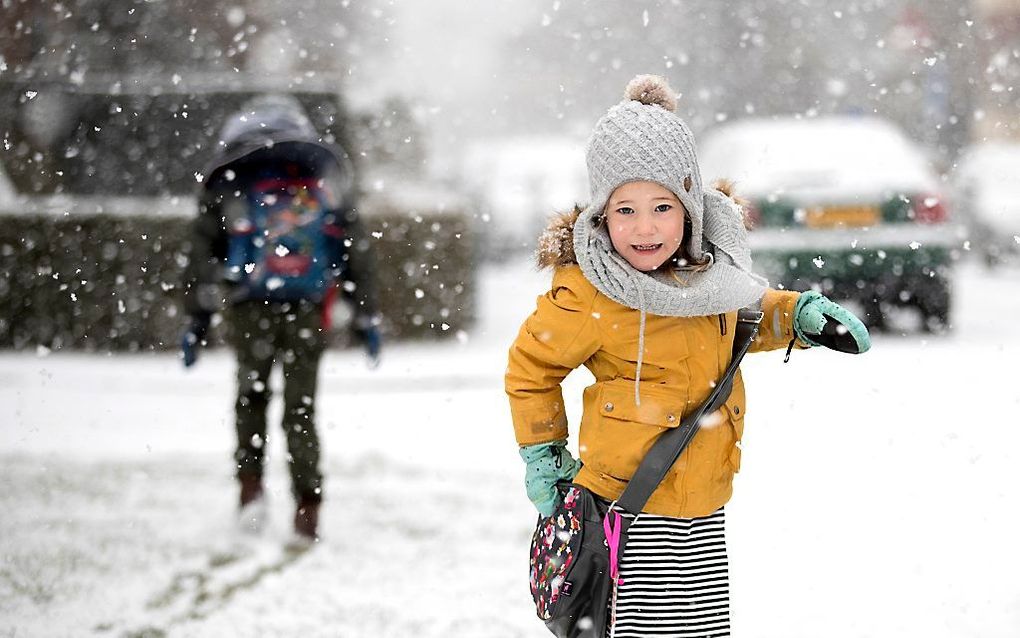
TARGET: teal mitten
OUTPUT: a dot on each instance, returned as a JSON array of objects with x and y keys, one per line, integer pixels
[
  {"x": 819, "y": 321},
  {"x": 548, "y": 463}
]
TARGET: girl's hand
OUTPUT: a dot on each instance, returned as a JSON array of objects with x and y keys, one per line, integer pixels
[
  {"x": 819, "y": 321},
  {"x": 548, "y": 463}
]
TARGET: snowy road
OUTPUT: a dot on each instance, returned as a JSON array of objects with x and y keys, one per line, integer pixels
[{"x": 878, "y": 495}]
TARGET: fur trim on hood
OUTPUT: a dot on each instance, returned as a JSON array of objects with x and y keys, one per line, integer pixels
[{"x": 556, "y": 244}]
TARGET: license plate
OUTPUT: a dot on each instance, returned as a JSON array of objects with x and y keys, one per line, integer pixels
[{"x": 847, "y": 216}]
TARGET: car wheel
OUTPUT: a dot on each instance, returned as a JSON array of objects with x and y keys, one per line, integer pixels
[
  {"x": 993, "y": 258},
  {"x": 873, "y": 316},
  {"x": 933, "y": 302}
]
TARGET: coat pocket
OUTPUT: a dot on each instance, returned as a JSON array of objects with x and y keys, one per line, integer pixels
[
  {"x": 734, "y": 460},
  {"x": 660, "y": 406},
  {"x": 617, "y": 432},
  {"x": 734, "y": 409}
]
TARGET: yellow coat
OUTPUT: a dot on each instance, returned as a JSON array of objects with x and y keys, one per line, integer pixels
[{"x": 576, "y": 325}]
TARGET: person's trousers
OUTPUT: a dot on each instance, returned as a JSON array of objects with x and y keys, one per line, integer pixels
[{"x": 289, "y": 334}]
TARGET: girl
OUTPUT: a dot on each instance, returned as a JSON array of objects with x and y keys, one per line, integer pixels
[{"x": 647, "y": 284}]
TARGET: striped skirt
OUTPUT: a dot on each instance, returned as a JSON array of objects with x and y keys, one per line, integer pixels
[{"x": 675, "y": 579}]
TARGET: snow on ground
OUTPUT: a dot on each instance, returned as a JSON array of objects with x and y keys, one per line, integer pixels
[{"x": 878, "y": 495}]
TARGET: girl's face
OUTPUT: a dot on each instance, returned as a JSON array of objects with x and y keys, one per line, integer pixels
[{"x": 646, "y": 223}]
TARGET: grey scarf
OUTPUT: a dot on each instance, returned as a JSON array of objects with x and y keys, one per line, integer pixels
[{"x": 727, "y": 285}]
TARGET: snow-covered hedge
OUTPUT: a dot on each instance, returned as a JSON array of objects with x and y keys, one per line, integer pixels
[{"x": 105, "y": 282}]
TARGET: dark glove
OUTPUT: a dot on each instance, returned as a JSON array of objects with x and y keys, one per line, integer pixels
[
  {"x": 819, "y": 321},
  {"x": 368, "y": 334},
  {"x": 194, "y": 337},
  {"x": 548, "y": 463}
]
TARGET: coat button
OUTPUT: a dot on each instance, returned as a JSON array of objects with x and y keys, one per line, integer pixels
[
  {"x": 736, "y": 409},
  {"x": 608, "y": 407},
  {"x": 670, "y": 418}
]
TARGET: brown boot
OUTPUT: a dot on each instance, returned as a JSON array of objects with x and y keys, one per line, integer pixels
[
  {"x": 306, "y": 519},
  {"x": 251, "y": 515},
  {"x": 251, "y": 488}
]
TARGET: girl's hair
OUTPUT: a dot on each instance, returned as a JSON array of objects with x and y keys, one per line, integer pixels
[{"x": 682, "y": 260}]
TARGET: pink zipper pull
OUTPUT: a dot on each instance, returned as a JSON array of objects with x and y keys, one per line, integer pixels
[{"x": 613, "y": 526}]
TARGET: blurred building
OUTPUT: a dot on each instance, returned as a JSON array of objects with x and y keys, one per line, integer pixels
[
  {"x": 103, "y": 99},
  {"x": 997, "y": 72},
  {"x": 519, "y": 182}
]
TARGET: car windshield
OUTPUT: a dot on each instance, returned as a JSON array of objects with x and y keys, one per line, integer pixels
[{"x": 835, "y": 158}]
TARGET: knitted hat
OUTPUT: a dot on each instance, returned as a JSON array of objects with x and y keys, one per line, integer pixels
[{"x": 641, "y": 138}]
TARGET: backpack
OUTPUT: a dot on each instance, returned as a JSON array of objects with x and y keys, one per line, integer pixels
[{"x": 288, "y": 242}]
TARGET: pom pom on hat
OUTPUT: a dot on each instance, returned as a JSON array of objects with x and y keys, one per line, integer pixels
[{"x": 652, "y": 90}]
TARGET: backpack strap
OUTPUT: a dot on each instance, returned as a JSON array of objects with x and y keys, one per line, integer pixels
[{"x": 671, "y": 444}]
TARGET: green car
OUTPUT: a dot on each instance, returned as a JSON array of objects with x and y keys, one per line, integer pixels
[{"x": 844, "y": 205}]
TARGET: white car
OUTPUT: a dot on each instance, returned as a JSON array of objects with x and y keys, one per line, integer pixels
[
  {"x": 846, "y": 205},
  {"x": 986, "y": 185}
]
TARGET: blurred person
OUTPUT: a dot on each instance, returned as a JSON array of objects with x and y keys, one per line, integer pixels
[
  {"x": 647, "y": 284},
  {"x": 277, "y": 224}
]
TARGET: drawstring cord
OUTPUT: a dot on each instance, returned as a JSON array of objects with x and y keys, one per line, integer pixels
[
  {"x": 641, "y": 339},
  {"x": 640, "y": 356}
]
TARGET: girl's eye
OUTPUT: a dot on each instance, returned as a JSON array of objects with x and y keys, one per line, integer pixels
[
  {"x": 625, "y": 210},
  {"x": 662, "y": 208}
]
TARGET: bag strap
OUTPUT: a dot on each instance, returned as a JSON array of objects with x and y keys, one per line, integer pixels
[{"x": 670, "y": 445}]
